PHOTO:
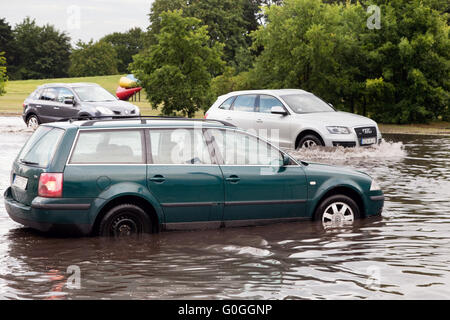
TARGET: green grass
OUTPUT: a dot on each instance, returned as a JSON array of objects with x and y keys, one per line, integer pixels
[
  {"x": 18, "y": 91},
  {"x": 438, "y": 127}
]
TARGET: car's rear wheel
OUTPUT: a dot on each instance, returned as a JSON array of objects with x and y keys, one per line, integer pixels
[
  {"x": 309, "y": 141},
  {"x": 33, "y": 122},
  {"x": 125, "y": 220},
  {"x": 337, "y": 211}
]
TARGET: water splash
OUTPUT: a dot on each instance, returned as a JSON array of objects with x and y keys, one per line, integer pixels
[
  {"x": 385, "y": 150},
  {"x": 13, "y": 125}
]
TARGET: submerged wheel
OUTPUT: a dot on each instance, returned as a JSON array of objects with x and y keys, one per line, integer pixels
[
  {"x": 33, "y": 122},
  {"x": 309, "y": 141},
  {"x": 125, "y": 220},
  {"x": 337, "y": 211}
]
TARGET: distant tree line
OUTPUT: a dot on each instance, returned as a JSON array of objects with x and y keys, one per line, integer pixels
[
  {"x": 195, "y": 50},
  {"x": 42, "y": 52},
  {"x": 399, "y": 73}
]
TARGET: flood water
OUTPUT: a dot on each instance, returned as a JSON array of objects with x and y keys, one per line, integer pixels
[{"x": 405, "y": 254}]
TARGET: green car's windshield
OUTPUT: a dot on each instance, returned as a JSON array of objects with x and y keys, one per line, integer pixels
[
  {"x": 306, "y": 103},
  {"x": 93, "y": 94}
]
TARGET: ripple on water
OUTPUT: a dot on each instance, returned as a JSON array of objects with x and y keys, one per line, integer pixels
[{"x": 404, "y": 254}]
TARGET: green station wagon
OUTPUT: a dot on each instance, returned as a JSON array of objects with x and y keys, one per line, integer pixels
[{"x": 130, "y": 176}]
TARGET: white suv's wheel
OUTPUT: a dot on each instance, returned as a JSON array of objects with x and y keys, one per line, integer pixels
[{"x": 309, "y": 141}]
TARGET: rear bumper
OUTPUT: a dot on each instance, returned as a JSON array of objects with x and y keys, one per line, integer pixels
[{"x": 45, "y": 216}]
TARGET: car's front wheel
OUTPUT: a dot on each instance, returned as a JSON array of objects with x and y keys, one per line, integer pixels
[
  {"x": 125, "y": 220},
  {"x": 309, "y": 141},
  {"x": 33, "y": 122},
  {"x": 337, "y": 211}
]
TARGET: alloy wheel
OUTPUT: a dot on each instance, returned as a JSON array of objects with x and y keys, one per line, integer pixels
[{"x": 338, "y": 214}]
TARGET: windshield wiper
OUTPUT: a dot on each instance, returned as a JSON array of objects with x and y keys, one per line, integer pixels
[{"x": 29, "y": 162}]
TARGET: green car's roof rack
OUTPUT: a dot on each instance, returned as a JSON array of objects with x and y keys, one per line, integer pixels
[{"x": 95, "y": 119}]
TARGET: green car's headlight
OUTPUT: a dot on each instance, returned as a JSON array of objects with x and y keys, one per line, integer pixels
[
  {"x": 338, "y": 130},
  {"x": 374, "y": 186}
]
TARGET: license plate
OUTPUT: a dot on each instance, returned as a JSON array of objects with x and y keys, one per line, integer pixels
[
  {"x": 20, "y": 182},
  {"x": 365, "y": 141}
]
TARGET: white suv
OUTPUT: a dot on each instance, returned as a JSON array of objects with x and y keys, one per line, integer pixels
[{"x": 293, "y": 118}]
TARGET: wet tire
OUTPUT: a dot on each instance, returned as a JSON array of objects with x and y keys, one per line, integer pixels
[
  {"x": 337, "y": 211},
  {"x": 33, "y": 122},
  {"x": 309, "y": 141},
  {"x": 125, "y": 220}
]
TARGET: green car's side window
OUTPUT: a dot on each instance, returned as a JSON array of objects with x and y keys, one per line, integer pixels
[
  {"x": 237, "y": 148},
  {"x": 178, "y": 146},
  {"x": 109, "y": 147}
]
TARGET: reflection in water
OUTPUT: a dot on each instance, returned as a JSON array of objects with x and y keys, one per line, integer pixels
[{"x": 404, "y": 254}]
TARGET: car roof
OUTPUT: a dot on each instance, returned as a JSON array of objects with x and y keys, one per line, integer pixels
[
  {"x": 276, "y": 92},
  {"x": 69, "y": 85},
  {"x": 141, "y": 122}
]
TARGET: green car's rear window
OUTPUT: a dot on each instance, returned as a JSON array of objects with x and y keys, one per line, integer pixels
[{"x": 41, "y": 146}]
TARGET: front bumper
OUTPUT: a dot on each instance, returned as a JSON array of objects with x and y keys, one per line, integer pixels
[
  {"x": 347, "y": 140},
  {"x": 48, "y": 215},
  {"x": 375, "y": 203}
]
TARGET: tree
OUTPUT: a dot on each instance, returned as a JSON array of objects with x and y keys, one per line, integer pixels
[
  {"x": 126, "y": 44},
  {"x": 42, "y": 52},
  {"x": 399, "y": 73},
  {"x": 9, "y": 46},
  {"x": 176, "y": 72},
  {"x": 3, "y": 77},
  {"x": 410, "y": 61},
  {"x": 228, "y": 21},
  {"x": 93, "y": 59}
]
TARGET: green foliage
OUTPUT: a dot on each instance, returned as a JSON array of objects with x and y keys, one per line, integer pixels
[
  {"x": 228, "y": 22},
  {"x": 42, "y": 52},
  {"x": 93, "y": 59},
  {"x": 3, "y": 77},
  {"x": 230, "y": 81},
  {"x": 8, "y": 45},
  {"x": 176, "y": 71},
  {"x": 126, "y": 44},
  {"x": 399, "y": 73}
]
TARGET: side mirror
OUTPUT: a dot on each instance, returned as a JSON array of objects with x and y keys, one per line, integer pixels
[
  {"x": 69, "y": 100},
  {"x": 286, "y": 160},
  {"x": 278, "y": 110}
]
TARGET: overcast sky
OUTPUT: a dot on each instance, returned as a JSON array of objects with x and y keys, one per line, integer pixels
[{"x": 81, "y": 19}]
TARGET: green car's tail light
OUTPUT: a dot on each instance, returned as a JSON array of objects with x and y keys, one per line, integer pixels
[{"x": 50, "y": 185}]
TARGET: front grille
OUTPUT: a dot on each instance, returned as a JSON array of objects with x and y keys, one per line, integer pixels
[
  {"x": 116, "y": 112},
  {"x": 366, "y": 132},
  {"x": 345, "y": 144}
]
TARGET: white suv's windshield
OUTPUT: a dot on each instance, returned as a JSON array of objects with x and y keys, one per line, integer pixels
[
  {"x": 93, "y": 94},
  {"x": 306, "y": 103}
]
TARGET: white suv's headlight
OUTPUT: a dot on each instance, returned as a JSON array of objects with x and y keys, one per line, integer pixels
[
  {"x": 374, "y": 186},
  {"x": 137, "y": 111},
  {"x": 104, "y": 110},
  {"x": 338, "y": 130}
]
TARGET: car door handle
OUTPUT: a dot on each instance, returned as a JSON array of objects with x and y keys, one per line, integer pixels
[
  {"x": 158, "y": 178},
  {"x": 233, "y": 179},
  {"x": 259, "y": 121},
  {"x": 228, "y": 119},
  {"x": 38, "y": 106},
  {"x": 56, "y": 108}
]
